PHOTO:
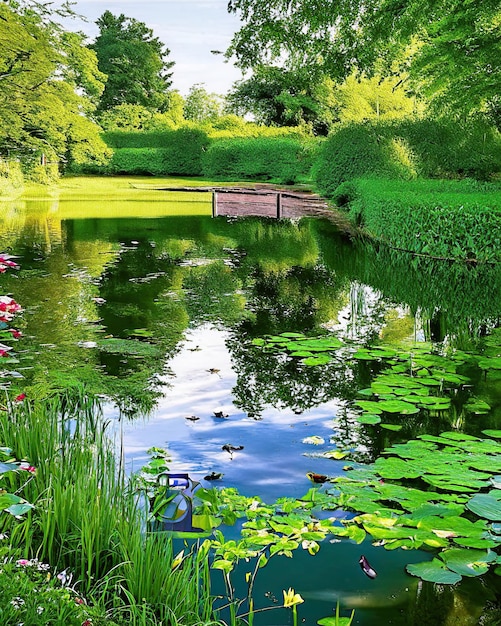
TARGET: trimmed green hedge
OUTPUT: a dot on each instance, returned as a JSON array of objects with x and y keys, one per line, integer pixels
[
  {"x": 283, "y": 160},
  {"x": 407, "y": 149},
  {"x": 177, "y": 152}
]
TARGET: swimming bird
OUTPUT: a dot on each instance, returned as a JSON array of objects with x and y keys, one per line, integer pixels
[
  {"x": 317, "y": 478},
  {"x": 220, "y": 414},
  {"x": 214, "y": 476},
  {"x": 367, "y": 569}
]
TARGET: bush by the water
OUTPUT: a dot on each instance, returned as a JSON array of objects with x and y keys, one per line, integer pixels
[
  {"x": 176, "y": 152},
  {"x": 284, "y": 160},
  {"x": 408, "y": 149}
]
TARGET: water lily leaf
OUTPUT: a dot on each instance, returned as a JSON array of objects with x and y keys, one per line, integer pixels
[
  {"x": 466, "y": 542},
  {"x": 394, "y": 427},
  {"x": 335, "y": 621},
  {"x": 468, "y": 562},
  {"x": 321, "y": 359},
  {"x": 293, "y": 335},
  {"x": 398, "y": 406},
  {"x": 302, "y": 353},
  {"x": 370, "y": 406},
  {"x": 435, "y": 403},
  {"x": 334, "y": 454},
  {"x": 314, "y": 440},
  {"x": 368, "y": 418},
  {"x": 486, "y": 505},
  {"x": 433, "y": 571},
  {"x": 491, "y": 363},
  {"x": 394, "y": 468},
  {"x": 477, "y": 406},
  {"x": 363, "y": 355},
  {"x": 495, "y": 481},
  {"x": 492, "y": 433}
]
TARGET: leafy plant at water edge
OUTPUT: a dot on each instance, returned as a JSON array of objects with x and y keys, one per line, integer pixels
[{"x": 423, "y": 494}]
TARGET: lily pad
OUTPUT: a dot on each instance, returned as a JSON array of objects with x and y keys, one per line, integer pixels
[
  {"x": 466, "y": 562},
  {"x": 486, "y": 505},
  {"x": 368, "y": 418},
  {"x": 394, "y": 427},
  {"x": 314, "y": 440},
  {"x": 492, "y": 433},
  {"x": 434, "y": 571}
]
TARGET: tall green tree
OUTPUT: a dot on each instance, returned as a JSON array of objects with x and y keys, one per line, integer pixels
[
  {"x": 135, "y": 62},
  {"x": 450, "y": 49},
  {"x": 49, "y": 82},
  {"x": 280, "y": 97},
  {"x": 202, "y": 106}
]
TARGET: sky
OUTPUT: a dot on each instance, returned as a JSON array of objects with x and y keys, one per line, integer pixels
[{"x": 189, "y": 28}]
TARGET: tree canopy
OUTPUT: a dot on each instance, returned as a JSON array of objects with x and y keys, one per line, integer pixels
[
  {"x": 135, "y": 62},
  {"x": 450, "y": 49},
  {"x": 48, "y": 82}
]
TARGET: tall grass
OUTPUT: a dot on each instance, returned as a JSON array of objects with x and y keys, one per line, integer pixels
[{"x": 88, "y": 522}]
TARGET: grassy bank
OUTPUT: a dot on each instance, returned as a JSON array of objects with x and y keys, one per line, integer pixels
[
  {"x": 445, "y": 219},
  {"x": 87, "y": 522}
]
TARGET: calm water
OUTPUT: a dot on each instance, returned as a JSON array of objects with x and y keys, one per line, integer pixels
[{"x": 156, "y": 313}]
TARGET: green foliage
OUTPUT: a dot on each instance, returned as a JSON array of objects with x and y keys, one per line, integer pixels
[
  {"x": 459, "y": 220},
  {"x": 134, "y": 61},
  {"x": 137, "y": 161},
  {"x": 32, "y": 593},
  {"x": 48, "y": 80},
  {"x": 201, "y": 106},
  {"x": 406, "y": 149},
  {"x": 11, "y": 177},
  {"x": 176, "y": 152},
  {"x": 279, "y": 97},
  {"x": 357, "y": 150},
  {"x": 450, "y": 50},
  {"x": 282, "y": 160}
]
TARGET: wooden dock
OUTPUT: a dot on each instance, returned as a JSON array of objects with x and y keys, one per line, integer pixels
[{"x": 267, "y": 201}]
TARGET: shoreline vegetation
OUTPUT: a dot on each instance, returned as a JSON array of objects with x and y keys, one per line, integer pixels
[{"x": 430, "y": 187}]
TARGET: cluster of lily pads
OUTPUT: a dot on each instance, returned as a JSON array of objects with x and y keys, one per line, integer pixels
[
  {"x": 437, "y": 492},
  {"x": 411, "y": 380}
]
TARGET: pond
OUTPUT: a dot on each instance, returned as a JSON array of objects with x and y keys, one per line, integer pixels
[{"x": 150, "y": 302}]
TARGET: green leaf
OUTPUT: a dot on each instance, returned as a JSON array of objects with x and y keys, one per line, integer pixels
[
  {"x": 486, "y": 505},
  {"x": 394, "y": 427},
  {"x": 433, "y": 571},
  {"x": 368, "y": 418},
  {"x": 468, "y": 562}
]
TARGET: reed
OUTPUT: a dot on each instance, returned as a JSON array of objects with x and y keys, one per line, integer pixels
[{"x": 88, "y": 523}]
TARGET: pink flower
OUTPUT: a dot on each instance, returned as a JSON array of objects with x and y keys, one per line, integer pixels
[
  {"x": 4, "y": 353},
  {"x": 24, "y": 465},
  {"x": 79, "y": 601},
  {"x": 23, "y": 562},
  {"x": 87, "y": 622},
  {"x": 16, "y": 334},
  {"x": 21, "y": 396}
]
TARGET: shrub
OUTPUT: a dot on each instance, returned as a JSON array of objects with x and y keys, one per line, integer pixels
[
  {"x": 284, "y": 160},
  {"x": 137, "y": 161},
  {"x": 452, "y": 219},
  {"x": 408, "y": 148},
  {"x": 176, "y": 152},
  {"x": 358, "y": 150}
]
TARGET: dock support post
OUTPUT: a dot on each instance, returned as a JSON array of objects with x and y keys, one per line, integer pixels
[
  {"x": 279, "y": 205},
  {"x": 214, "y": 204}
]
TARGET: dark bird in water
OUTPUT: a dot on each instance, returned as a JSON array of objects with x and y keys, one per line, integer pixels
[
  {"x": 317, "y": 478},
  {"x": 192, "y": 418},
  {"x": 367, "y": 569},
  {"x": 231, "y": 449},
  {"x": 214, "y": 476},
  {"x": 220, "y": 414},
  {"x": 213, "y": 370}
]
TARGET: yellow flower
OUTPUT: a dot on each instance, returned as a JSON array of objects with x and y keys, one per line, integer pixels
[{"x": 291, "y": 598}]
